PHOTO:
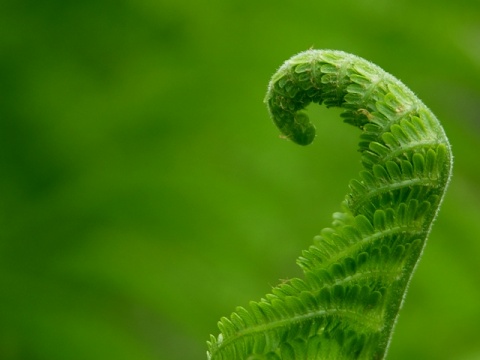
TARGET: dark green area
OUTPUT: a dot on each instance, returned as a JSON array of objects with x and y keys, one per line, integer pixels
[{"x": 145, "y": 192}]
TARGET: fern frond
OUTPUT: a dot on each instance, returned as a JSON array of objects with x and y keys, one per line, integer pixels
[{"x": 357, "y": 271}]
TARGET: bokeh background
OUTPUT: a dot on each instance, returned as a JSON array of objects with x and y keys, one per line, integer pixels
[{"x": 144, "y": 192}]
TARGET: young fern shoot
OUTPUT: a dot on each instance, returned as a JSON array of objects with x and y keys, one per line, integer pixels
[{"x": 357, "y": 271}]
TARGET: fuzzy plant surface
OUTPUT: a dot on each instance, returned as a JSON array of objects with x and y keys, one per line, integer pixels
[{"x": 357, "y": 271}]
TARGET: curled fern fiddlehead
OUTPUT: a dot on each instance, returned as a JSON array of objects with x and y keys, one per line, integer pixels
[{"x": 357, "y": 271}]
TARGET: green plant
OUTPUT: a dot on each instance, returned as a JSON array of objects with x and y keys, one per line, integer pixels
[{"x": 356, "y": 272}]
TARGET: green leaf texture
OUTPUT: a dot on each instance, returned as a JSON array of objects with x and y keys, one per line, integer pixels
[{"x": 357, "y": 271}]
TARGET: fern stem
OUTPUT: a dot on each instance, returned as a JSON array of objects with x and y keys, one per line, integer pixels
[{"x": 356, "y": 272}]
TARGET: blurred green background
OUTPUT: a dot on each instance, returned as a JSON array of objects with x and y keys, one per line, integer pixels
[{"x": 145, "y": 192}]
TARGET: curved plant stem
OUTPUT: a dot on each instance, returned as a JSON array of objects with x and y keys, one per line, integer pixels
[{"x": 357, "y": 271}]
